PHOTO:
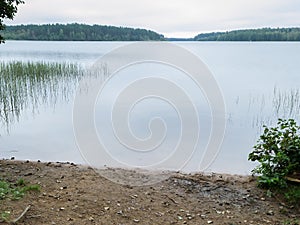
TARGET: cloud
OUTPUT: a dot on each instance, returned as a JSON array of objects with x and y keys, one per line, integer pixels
[{"x": 170, "y": 17}]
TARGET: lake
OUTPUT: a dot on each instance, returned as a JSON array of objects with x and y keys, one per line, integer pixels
[{"x": 259, "y": 82}]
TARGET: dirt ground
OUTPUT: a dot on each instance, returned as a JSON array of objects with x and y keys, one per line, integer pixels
[{"x": 72, "y": 194}]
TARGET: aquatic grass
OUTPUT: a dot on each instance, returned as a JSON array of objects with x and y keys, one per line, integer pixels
[
  {"x": 287, "y": 102},
  {"x": 26, "y": 85},
  {"x": 267, "y": 108}
]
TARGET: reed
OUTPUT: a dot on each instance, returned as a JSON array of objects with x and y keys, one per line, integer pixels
[
  {"x": 26, "y": 85},
  {"x": 286, "y": 103}
]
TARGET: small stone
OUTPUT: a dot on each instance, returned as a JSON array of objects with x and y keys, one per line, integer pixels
[
  {"x": 180, "y": 218},
  {"x": 270, "y": 213},
  {"x": 106, "y": 208},
  {"x": 263, "y": 199},
  {"x": 203, "y": 216},
  {"x": 61, "y": 208},
  {"x": 136, "y": 220},
  {"x": 209, "y": 222}
]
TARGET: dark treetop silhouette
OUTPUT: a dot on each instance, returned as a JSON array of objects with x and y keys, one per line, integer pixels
[{"x": 8, "y": 9}]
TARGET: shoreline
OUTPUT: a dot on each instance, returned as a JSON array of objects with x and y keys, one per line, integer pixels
[{"x": 76, "y": 194}]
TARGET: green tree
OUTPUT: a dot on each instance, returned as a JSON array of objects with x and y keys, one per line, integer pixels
[
  {"x": 8, "y": 9},
  {"x": 78, "y": 32}
]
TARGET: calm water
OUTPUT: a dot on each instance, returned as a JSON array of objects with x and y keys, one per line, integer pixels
[{"x": 259, "y": 81}]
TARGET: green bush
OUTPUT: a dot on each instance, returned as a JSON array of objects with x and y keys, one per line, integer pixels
[{"x": 278, "y": 153}]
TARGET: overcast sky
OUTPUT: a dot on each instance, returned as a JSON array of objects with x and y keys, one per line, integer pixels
[{"x": 172, "y": 18}]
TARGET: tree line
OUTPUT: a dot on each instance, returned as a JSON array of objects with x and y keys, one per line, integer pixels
[
  {"x": 78, "y": 32},
  {"x": 83, "y": 32},
  {"x": 264, "y": 34}
]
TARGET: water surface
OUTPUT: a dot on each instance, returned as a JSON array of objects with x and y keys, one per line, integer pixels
[{"x": 259, "y": 81}]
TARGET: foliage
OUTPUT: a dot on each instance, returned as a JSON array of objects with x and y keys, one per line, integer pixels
[
  {"x": 293, "y": 195},
  {"x": 8, "y": 9},
  {"x": 15, "y": 191},
  {"x": 278, "y": 152},
  {"x": 264, "y": 34},
  {"x": 78, "y": 32},
  {"x": 292, "y": 222},
  {"x": 4, "y": 216}
]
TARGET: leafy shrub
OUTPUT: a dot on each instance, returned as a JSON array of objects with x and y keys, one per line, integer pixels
[{"x": 278, "y": 152}]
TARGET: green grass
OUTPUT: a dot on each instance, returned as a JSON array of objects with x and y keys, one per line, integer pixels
[
  {"x": 292, "y": 194},
  {"x": 16, "y": 191},
  {"x": 26, "y": 85},
  {"x": 291, "y": 222}
]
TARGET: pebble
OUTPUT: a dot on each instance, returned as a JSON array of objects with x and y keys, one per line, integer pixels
[
  {"x": 136, "y": 220},
  {"x": 203, "y": 216},
  {"x": 209, "y": 222}
]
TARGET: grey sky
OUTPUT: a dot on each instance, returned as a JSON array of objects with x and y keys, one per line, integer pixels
[{"x": 173, "y": 18}]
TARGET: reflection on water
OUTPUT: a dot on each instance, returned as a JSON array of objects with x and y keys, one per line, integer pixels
[
  {"x": 27, "y": 85},
  {"x": 260, "y": 82}
]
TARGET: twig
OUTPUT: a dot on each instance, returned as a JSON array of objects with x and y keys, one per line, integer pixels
[
  {"x": 21, "y": 216},
  {"x": 171, "y": 199}
]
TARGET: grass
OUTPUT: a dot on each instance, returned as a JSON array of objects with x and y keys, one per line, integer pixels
[
  {"x": 292, "y": 194},
  {"x": 286, "y": 103},
  {"x": 281, "y": 103},
  {"x": 291, "y": 222},
  {"x": 26, "y": 85},
  {"x": 16, "y": 191}
]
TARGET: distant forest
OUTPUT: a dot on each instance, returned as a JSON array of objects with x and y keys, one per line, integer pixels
[
  {"x": 83, "y": 32},
  {"x": 264, "y": 34},
  {"x": 78, "y": 32}
]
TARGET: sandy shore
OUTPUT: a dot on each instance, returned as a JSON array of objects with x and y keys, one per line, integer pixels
[{"x": 72, "y": 194}]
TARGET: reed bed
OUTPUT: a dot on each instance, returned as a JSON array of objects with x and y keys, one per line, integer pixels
[
  {"x": 281, "y": 103},
  {"x": 25, "y": 85}
]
